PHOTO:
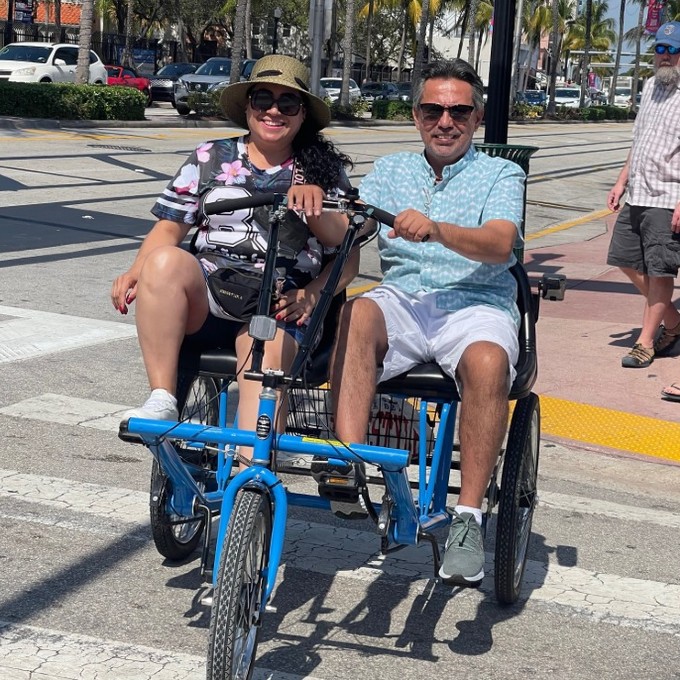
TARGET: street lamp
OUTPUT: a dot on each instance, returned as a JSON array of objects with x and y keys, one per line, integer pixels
[{"x": 275, "y": 40}]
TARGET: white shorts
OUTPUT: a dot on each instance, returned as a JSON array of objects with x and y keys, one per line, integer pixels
[{"x": 419, "y": 332}]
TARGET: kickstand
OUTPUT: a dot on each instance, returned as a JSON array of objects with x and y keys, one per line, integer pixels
[{"x": 424, "y": 535}]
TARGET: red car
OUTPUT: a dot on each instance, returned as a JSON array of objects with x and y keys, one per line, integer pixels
[{"x": 122, "y": 75}]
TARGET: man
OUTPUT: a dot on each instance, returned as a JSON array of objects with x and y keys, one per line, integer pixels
[
  {"x": 646, "y": 239},
  {"x": 447, "y": 295}
]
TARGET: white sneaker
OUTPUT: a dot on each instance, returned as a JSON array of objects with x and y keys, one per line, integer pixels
[{"x": 160, "y": 405}]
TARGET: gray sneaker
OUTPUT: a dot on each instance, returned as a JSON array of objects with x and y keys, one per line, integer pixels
[{"x": 463, "y": 563}]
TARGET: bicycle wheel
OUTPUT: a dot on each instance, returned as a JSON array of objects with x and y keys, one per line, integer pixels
[
  {"x": 237, "y": 604},
  {"x": 517, "y": 499},
  {"x": 175, "y": 539}
]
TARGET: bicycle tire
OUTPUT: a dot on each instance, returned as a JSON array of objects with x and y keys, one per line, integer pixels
[
  {"x": 237, "y": 602},
  {"x": 176, "y": 540},
  {"x": 518, "y": 497}
]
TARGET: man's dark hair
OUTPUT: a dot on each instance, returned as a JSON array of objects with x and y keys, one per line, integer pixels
[{"x": 456, "y": 69}]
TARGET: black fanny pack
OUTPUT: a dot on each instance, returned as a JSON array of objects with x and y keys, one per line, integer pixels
[{"x": 236, "y": 288}]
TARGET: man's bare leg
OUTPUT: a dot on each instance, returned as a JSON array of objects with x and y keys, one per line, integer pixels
[
  {"x": 360, "y": 347},
  {"x": 483, "y": 371}
]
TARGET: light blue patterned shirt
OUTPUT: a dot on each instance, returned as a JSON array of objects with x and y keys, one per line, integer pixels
[{"x": 476, "y": 189}]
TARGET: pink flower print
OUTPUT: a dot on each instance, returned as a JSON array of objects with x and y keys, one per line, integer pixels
[
  {"x": 187, "y": 180},
  {"x": 202, "y": 152},
  {"x": 233, "y": 173}
]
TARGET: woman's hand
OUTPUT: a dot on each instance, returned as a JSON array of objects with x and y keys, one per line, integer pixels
[
  {"x": 123, "y": 292},
  {"x": 306, "y": 198},
  {"x": 295, "y": 305}
]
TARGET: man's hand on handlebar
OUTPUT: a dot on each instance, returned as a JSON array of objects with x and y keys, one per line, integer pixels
[{"x": 412, "y": 225}]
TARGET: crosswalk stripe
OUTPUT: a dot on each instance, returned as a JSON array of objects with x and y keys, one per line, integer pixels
[
  {"x": 64, "y": 656},
  {"x": 355, "y": 554},
  {"x": 27, "y": 333}
]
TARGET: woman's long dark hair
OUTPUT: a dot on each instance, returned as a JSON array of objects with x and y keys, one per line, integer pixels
[{"x": 318, "y": 158}]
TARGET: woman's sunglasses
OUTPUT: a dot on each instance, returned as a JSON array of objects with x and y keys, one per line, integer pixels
[
  {"x": 662, "y": 49},
  {"x": 460, "y": 113},
  {"x": 288, "y": 103}
]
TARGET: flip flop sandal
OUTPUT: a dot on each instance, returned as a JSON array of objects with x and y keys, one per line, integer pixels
[
  {"x": 671, "y": 397},
  {"x": 666, "y": 341}
]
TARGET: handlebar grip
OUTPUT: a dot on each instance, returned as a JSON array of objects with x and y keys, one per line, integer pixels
[
  {"x": 381, "y": 215},
  {"x": 231, "y": 204},
  {"x": 388, "y": 219}
]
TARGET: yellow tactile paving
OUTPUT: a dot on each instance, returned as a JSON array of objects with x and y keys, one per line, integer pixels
[{"x": 612, "y": 429}]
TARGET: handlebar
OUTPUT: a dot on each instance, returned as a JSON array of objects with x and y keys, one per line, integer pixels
[{"x": 343, "y": 205}]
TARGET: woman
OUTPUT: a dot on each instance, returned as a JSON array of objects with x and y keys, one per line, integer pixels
[{"x": 284, "y": 152}]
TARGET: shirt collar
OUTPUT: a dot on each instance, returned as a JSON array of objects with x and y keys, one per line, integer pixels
[{"x": 453, "y": 169}]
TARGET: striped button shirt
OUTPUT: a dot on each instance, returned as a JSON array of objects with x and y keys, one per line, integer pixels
[
  {"x": 654, "y": 170},
  {"x": 472, "y": 191}
]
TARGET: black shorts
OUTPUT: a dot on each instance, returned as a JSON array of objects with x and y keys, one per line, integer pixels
[{"x": 643, "y": 240}]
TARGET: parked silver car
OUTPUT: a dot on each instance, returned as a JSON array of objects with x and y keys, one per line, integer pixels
[
  {"x": 43, "y": 62},
  {"x": 333, "y": 85}
]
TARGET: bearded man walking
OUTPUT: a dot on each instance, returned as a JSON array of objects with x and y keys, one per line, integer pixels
[{"x": 646, "y": 239}]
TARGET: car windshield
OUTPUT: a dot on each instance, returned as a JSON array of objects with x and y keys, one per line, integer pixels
[
  {"x": 568, "y": 93},
  {"x": 331, "y": 83},
  {"x": 113, "y": 71},
  {"x": 176, "y": 69},
  {"x": 404, "y": 87},
  {"x": 20, "y": 52},
  {"x": 214, "y": 68},
  {"x": 622, "y": 92},
  {"x": 533, "y": 96}
]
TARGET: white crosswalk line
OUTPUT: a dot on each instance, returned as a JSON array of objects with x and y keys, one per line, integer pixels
[
  {"x": 26, "y": 333},
  {"x": 30, "y": 653},
  {"x": 348, "y": 553}
]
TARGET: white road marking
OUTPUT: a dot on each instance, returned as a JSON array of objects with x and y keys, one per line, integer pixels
[
  {"x": 30, "y": 653},
  {"x": 28, "y": 333},
  {"x": 348, "y": 553},
  {"x": 58, "y": 408}
]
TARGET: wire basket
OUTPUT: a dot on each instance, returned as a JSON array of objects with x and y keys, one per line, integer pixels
[{"x": 394, "y": 421}]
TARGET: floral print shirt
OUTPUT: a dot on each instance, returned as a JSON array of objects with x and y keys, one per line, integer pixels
[{"x": 219, "y": 170}]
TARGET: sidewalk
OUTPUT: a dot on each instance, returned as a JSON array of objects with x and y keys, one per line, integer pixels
[{"x": 585, "y": 393}]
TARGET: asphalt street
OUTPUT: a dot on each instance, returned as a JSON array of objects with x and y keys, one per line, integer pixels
[{"x": 84, "y": 594}]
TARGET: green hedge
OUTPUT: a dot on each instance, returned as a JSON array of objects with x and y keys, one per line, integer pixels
[
  {"x": 384, "y": 109},
  {"x": 66, "y": 101}
]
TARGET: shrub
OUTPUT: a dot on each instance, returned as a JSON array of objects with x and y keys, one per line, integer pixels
[
  {"x": 355, "y": 110},
  {"x": 384, "y": 109},
  {"x": 205, "y": 103},
  {"x": 67, "y": 101},
  {"x": 527, "y": 111}
]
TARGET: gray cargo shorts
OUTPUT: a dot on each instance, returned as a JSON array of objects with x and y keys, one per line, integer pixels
[{"x": 643, "y": 240}]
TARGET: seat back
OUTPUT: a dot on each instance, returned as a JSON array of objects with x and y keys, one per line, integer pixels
[{"x": 428, "y": 381}]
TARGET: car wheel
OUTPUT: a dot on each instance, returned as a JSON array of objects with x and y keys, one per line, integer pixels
[
  {"x": 182, "y": 109},
  {"x": 147, "y": 94}
]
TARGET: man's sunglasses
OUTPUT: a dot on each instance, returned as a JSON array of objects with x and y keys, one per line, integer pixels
[
  {"x": 460, "y": 113},
  {"x": 288, "y": 103},
  {"x": 662, "y": 49}
]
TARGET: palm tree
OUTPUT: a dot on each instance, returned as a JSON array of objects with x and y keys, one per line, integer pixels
[
  {"x": 126, "y": 59},
  {"x": 420, "y": 44},
  {"x": 237, "y": 41},
  {"x": 619, "y": 47},
  {"x": 347, "y": 44},
  {"x": 84, "y": 39}
]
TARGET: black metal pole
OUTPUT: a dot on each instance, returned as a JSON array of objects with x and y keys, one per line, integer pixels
[
  {"x": 275, "y": 39},
  {"x": 9, "y": 25},
  {"x": 500, "y": 73}
]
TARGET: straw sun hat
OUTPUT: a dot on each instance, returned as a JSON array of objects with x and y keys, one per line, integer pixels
[{"x": 275, "y": 69}]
